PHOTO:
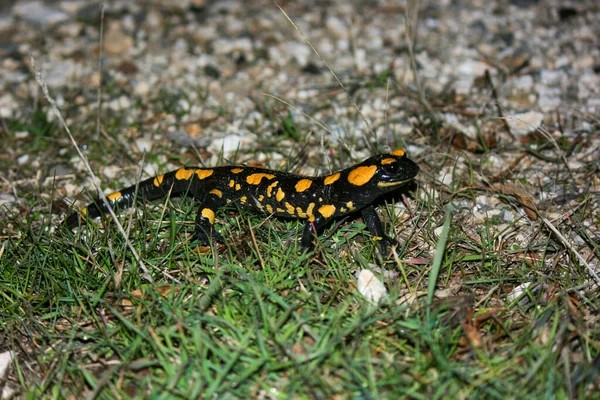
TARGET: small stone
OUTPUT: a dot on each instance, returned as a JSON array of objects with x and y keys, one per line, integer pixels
[
  {"x": 23, "y": 159},
  {"x": 117, "y": 42},
  {"x": 518, "y": 291},
  {"x": 142, "y": 89},
  {"x": 299, "y": 51},
  {"x": 227, "y": 144},
  {"x": 507, "y": 216},
  {"x": 336, "y": 27},
  {"x": 194, "y": 130},
  {"x": 39, "y": 13},
  {"x": 111, "y": 172},
  {"x": 6, "y": 198},
  {"x": 370, "y": 287},
  {"x": 468, "y": 71},
  {"x": 119, "y": 104},
  {"x": 144, "y": 145},
  {"x": 522, "y": 124}
]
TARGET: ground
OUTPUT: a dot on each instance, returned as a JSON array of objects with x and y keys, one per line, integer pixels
[{"x": 492, "y": 291}]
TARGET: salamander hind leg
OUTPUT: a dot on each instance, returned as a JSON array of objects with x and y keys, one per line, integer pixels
[
  {"x": 210, "y": 201},
  {"x": 311, "y": 231},
  {"x": 204, "y": 229}
]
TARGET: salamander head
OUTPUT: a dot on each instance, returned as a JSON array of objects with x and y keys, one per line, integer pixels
[{"x": 375, "y": 176}]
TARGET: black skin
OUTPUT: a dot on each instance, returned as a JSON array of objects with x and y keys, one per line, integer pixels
[{"x": 318, "y": 200}]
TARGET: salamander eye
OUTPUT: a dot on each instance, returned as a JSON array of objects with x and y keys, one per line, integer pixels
[{"x": 390, "y": 168}]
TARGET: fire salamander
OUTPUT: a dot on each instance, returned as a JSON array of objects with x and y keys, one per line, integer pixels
[{"x": 318, "y": 200}]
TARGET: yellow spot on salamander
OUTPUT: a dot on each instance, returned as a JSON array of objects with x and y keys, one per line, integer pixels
[
  {"x": 300, "y": 213},
  {"x": 398, "y": 153},
  {"x": 280, "y": 195},
  {"x": 331, "y": 178},
  {"x": 309, "y": 209},
  {"x": 271, "y": 187},
  {"x": 231, "y": 183},
  {"x": 269, "y": 208},
  {"x": 243, "y": 199},
  {"x": 237, "y": 170},
  {"x": 114, "y": 196},
  {"x": 255, "y": 179},
  {"x": 83, "y": 212},
  {"x": 327, "y": 210},
  {"x": 209, "y": 215},
  {"x": 289, "y": 208},
  {"x": 261, "y": 197},
  {"x": 280, "y": 210},
  {"x": 387, "y": 161},
  {"x": 311, "y": 218},
  {"x": 350, "y": 205},
  {"x": 158, "y": 180},
  {"x": 184, "y": 174},
  {"x": 238, "y": 186},
  {"x": 217, "y": 193},
  {"x": 204, "y": 173},
  {"x": 361, "y": 175},
  {"x": 302, "y": 185}
]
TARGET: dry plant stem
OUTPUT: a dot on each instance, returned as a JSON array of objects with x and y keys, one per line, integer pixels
[
  {"x": 411, "y": 38},
  {"x": 568, "y": 245},
  {"x": 369, "y": 129},
  {"x": 44, "y": 86},
  {"x": 100, "y": 68},
  {"x": 490, "y": 83},
  {"x": 293, "y": 107},
  {"x": 255, "y": 244}
]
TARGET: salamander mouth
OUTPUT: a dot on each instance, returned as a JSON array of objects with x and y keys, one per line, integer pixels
[{"x": 390, "y": 184}]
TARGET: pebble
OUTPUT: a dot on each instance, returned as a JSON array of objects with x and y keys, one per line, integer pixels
[
  {"x": 38, "y": 12},
  {"x": 370, "y": 286},
  {"x": 123, "y": 102},
  {"x": 524, "y": 123},
  {"x": 117, "y": 42}
]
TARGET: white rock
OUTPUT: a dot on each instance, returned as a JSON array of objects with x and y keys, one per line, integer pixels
[
  {"x": 518, "y": 291},
  {"x": 111, "y": 171},
  {"x": 119, "y": 104},
  {"x": 467, "y": 72},
  {"x": 38, "y": 12},
  {"x": 143, "y": 144},
  {"x": 227, "y": 144},
  {"x": 23, "y": 159},
  {"x": 5, "y": 360},
  {"x": 299, "y": 51},
  {"x": 142, "y": 89},
  {"x": 522, "y": 124},
  {"x": 226, "y": 46},
  {"x": 336, "y": 27},
  {"x": 370, "y": 287}
]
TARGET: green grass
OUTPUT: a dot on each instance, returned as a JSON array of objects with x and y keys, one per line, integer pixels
[{"x": 266, "y": 320}]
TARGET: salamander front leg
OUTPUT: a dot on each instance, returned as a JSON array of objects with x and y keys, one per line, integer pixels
[{"x": 374, "y": 224}]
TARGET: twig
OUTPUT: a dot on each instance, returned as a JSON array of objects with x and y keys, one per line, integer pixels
[
  {"x": 44, "y": 86},
  {"x": 490, "y": 83},
  {"x": 100, "y": 68},
  {"x": 293, "y": 107},
  {"x": 370, "y": 130},
  {"x": 570, "y": 247}
]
